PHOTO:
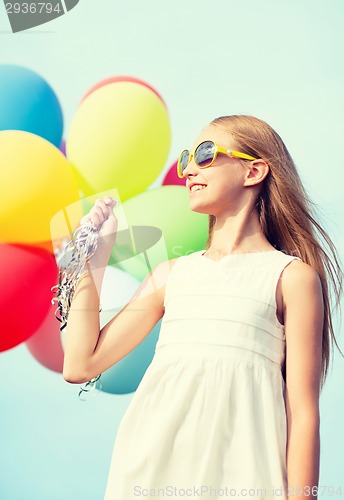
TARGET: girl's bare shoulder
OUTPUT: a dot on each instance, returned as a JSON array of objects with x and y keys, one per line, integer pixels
[
  {"x": 298, "y": 277},
  {"x": 163, "y": 269}
]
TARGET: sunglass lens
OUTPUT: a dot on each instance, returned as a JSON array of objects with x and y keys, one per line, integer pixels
[
  {"x": 204, "y": 154},
  {"x": 184, "y": 160}
]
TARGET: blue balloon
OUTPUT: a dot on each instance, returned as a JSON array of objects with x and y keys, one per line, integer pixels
[{"x": 28, "y": 103}]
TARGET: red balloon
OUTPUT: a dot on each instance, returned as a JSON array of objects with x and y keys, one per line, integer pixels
[
  {"x": 172, "y": 177},
  {"x": 114, "y": 79},
  {"x": 45, "y": 344},
  {"x": 26, "y": 277}
]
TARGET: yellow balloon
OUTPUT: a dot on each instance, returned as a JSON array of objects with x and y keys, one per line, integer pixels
[
  {"x": 119, "y": 138},
  {"x": 36, "y": 181}
]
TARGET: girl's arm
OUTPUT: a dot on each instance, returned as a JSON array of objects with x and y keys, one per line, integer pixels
[
  {"x": 303, "y": 313},
  {"x": 89, "y": 351}
]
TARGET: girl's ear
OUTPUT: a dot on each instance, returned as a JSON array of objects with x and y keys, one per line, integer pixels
[{"x": 256, "y": 172}]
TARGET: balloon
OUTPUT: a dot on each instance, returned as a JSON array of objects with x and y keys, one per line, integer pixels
[
  {"x": 63, "y": 147},
  {"x": 113, "y": 79},
  {"x": 171, "y": 177},
  {"x": 169, "y": 229},
  {"x": 124, "y": 376},
  {"x": 45, "y": 344},
  {"x": 28, "y": 103},
  {"x": 27, "y": 275},
  {"x": 119, "y": 138},
  {"x": 36, "y": 182},
  {"x": 46, "y": 245}
]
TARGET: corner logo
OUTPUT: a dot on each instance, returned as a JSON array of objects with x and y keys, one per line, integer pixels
[{"x": 25, "y": 14}]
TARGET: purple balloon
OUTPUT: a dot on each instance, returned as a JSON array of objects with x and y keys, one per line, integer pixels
[{"x": 63, "y": 146}]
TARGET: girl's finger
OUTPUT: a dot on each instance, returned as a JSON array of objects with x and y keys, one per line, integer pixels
[
  {"x": 97, "y": 219},
  {"x": 85, "y": 218},
  {"x": 109, "y": 200},
  {"x": 100, "y": 204}
]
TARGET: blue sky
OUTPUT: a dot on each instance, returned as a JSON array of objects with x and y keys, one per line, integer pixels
[
  {"x": 278, "y": 60},
  {"x": 281, "y": 61}
]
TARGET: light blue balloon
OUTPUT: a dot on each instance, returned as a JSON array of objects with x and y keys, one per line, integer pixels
[{"x": 28, "y": 103}]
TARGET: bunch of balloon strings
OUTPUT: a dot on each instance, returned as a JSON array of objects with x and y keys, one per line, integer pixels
[{"x": 71, "y": 263}]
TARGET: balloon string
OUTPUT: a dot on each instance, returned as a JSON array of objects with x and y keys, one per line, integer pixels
[
  {"x": 71, "y": 265},
  {"x": 132, "y": 239},
  {"x": 90, "y": 386}
]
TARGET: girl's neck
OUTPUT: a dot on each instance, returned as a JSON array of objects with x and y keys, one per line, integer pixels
[{"x": 239, "y": 233}]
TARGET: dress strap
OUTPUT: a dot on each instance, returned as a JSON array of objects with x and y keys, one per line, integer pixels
[{"x": 275, "y": 275}]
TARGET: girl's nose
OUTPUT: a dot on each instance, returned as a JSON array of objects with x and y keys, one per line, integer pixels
[{"x": 190, "y": 168}]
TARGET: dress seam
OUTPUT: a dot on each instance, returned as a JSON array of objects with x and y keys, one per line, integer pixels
[
  {"x": 230, "y": 321},
  {"x": 220, "y": 295}
]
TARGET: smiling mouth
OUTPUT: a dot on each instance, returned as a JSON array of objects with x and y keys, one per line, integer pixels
[{"x": 197, "y": 187}]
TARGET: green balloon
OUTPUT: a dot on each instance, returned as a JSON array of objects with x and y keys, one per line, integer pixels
[{"x": 160, "y": 226}]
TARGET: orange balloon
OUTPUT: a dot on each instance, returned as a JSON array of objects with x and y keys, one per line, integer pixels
[{"x": 46, "y": 245}]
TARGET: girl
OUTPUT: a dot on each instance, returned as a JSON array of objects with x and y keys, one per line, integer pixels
[{"x": 229, "y": 405}]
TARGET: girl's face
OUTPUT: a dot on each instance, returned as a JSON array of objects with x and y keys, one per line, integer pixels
[{"x": 224, "y": 179}]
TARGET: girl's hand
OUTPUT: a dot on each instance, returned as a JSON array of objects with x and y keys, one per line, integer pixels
[{"x": 103, "y": 218}]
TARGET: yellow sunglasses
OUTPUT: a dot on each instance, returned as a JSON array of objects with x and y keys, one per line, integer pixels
[{"x": 204, "y": 156}]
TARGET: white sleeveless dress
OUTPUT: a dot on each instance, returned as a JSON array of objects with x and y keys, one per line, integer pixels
[{"x": 209, "y": 414}]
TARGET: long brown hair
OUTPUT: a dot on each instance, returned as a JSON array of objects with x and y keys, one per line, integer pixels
[{"x": 287, "y": 215}]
